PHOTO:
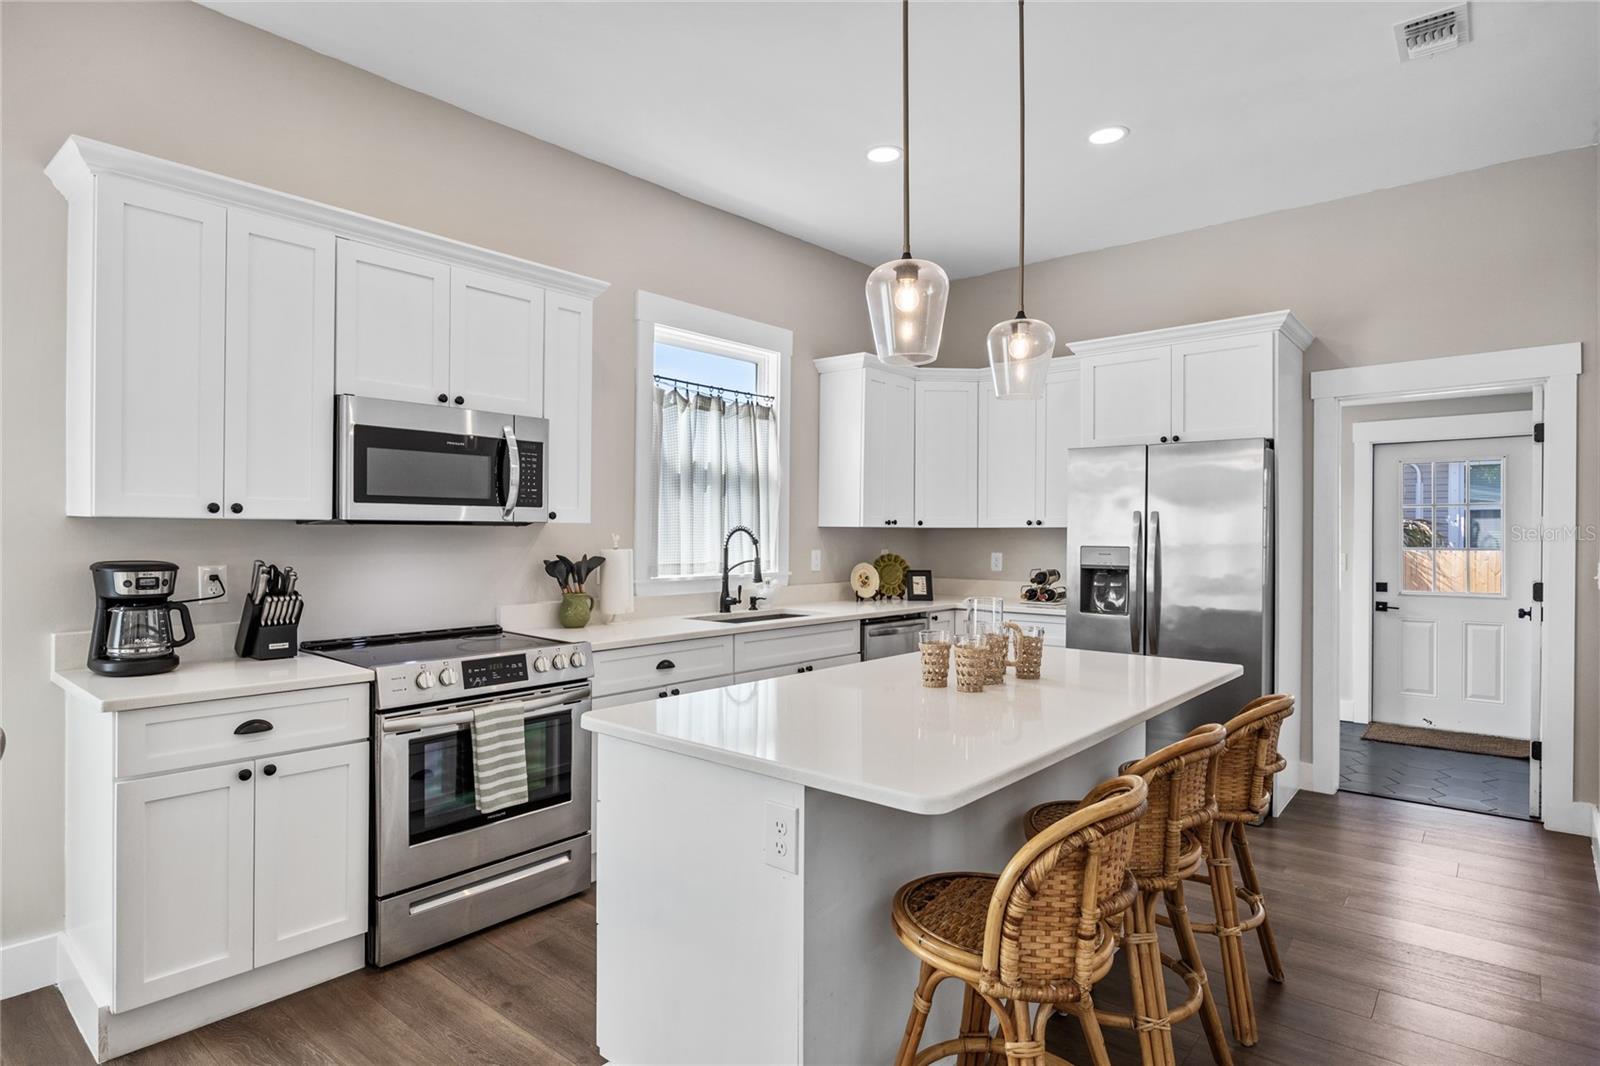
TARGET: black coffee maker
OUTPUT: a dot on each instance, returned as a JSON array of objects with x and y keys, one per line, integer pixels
[{"x": 133, "y": 618}]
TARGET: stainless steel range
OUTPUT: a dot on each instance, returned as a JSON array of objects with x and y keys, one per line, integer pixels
[{"x": 441, "y": 868}]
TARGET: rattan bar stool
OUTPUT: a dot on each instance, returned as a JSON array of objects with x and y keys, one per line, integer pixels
[
  {"x": 1029, "y": 943},
  {"x": 1244, "y": 794},
  {"x": 1167, "y": 849}
]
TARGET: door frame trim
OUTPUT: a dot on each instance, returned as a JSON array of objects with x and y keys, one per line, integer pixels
[
  {"x": 1555, "y": 367},
  {"x": 1356, "y": 705}
]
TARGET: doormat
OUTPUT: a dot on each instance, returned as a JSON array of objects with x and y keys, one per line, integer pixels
[{"x": 1472, "y": 743}]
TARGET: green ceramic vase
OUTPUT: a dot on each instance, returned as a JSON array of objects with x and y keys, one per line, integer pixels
[{"x": 575, "y": 608}]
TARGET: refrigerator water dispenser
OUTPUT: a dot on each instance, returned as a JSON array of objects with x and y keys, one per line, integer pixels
[{"x": 1103, "y": 581}]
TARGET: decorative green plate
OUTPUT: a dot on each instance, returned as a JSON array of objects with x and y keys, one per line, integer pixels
[{"x": 891, "y": 574}]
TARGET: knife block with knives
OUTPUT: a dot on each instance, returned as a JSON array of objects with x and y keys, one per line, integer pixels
[{"x": 269, "y": 627}]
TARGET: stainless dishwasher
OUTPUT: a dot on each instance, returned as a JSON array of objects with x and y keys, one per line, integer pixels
[{"x": 893, "y": 635}]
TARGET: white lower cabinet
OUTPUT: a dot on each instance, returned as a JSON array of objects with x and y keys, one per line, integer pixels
[{"x": 811, "y": 666}]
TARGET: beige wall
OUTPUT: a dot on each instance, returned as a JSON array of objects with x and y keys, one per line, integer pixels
[
  {"x": 184, "y": 83},
  {"x": 1503, "y": 257}
]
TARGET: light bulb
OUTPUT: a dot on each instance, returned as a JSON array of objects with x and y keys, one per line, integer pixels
[
  {"x": 1020, "y": 346},
  {"x": 907, "y": 297}
]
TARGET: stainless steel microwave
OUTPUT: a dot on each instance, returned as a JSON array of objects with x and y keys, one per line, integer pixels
[{"x": 415, "y": 462}]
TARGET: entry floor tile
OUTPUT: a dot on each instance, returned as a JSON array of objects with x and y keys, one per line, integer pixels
[{"x": 1488, "y": 784}]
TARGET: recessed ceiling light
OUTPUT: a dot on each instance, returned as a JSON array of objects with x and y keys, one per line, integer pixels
[
  {"x": 1109, "y": 135},
  {"x": 883, "y": 153}
]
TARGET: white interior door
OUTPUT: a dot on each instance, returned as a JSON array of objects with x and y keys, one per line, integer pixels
[{"x": 1456, "y": 630}]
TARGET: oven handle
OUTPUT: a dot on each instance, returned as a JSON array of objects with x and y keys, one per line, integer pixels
[
  {"x": 450, "y": 716},
  {"x": 513, "y": 474}
]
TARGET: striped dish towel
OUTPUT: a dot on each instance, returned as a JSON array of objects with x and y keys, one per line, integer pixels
[{"x": 499, "y": 757}]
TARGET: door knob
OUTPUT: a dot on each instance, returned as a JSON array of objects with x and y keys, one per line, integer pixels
[
  {"x": 1383, "y": 605},
  {"x": 1524, "y": 612}
]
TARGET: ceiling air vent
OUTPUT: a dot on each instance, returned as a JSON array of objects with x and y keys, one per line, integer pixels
[{"x": 1420, "y": 38}]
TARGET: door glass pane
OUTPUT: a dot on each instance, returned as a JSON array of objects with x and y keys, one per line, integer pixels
[
  {"x": 1450, "y": 571},
  {"x": 1488, "y": 528},
  {"x": 1417, "y": 530},
  {"x": 1449, "y": 482},
  {"x": 1485, "y": 483},
  {"x": 1416, "y": 487},
  {"x": 1486, "y": 574},
  {"x": 1417, "y": 566},
  {"x": 1449, "y": 527}
]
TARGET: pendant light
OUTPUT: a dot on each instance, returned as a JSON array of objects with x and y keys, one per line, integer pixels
[
  {"x": 906, "y": 297},
  {"x": 1020, "y": 348}
]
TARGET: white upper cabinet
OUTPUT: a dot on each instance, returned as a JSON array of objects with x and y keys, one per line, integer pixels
[
  {"x": 946, "y": 458},
  {"x": 278, "y": 423},
  {"x": 890, "y": 454},
  {"x": 496, "y": 343},
  {"x": 1125, "y": 397},
  {"x": 394, "y": 325},
  {"x": 568, "y": 398},
  {"x": 1063, "y": 413},
  {"x": 145, "y": 380},
  {"x": 1222, "y": 388},
  {"x": 1011, "y": 460}
]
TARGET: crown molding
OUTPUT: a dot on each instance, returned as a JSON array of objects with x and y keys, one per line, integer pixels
[
  {"x": 1282, "y": 322},
  {"x": 80, "y": 158}
]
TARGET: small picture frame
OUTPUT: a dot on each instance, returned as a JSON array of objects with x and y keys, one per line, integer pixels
[{"x": 919, "y": 585}]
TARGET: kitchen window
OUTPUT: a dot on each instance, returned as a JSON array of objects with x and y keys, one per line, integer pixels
[
  {"x": 712, "y": 445},
  {"x": 1452, "y": 527}
]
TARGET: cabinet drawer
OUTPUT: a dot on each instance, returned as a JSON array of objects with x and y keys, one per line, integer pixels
[
  {"x": 811, "y": 666},
  {"x": 780, "y": 647},
  {"x": 1054, "y": 625},
  {"x": 655, "y": 665},
  {"x": 159, "y": 739}
]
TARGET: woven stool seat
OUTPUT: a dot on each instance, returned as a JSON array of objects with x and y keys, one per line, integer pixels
[{"x": 947, "y": 911}]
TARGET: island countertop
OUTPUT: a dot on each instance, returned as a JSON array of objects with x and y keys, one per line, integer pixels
[{"x": 870, "y": 731}]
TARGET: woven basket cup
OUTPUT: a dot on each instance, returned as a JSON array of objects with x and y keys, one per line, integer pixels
[
  {"x": 1030, "y": 651},
  {"x": 972, "y": 665},
  {"x": 935, "y": 663},
  {"x": 998, "y": 643}
]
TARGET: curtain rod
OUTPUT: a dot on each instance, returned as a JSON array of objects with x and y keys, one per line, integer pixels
[{"x": 759, "y": 397}]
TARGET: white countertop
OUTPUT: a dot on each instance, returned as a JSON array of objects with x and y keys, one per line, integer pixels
[
  {"x": 870, "y": 731},
  {"x": 193, "y": 682},
  {"x": 633, "y": 632}
]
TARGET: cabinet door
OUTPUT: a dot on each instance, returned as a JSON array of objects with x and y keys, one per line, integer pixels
[
  {"x": 311, "y": 850},
  {"x": 891, "y": 450},
  {"x": 393, "y": 338},
  {"x": 947, "y": 453},
  {"x": 1222, "y": 388},
  {"x": 496, "y": 343},
  {"x": 160, "y": 266},
  {"x": 1008, "y": 460},
  {"x": 183, "y": 882},
  {"x": 1063, "y": 401},
  {"x": 1127, "y": 397},
  {"x": 278, "y": 424},
  {"x": 568, "y": 401}
]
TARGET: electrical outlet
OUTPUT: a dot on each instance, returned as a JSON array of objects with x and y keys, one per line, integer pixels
[
  {"x": 997, "y": 561},
  {"x": 816, "y": 559},
  {"x": 781, "y": 830},
  {"x": 207, "y": 588}
]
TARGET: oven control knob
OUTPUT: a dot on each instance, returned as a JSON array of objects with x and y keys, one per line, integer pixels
[
  {"x": 425, "y": 680},
  {"x": 541, "y": 664},
  {"x": 559, "y": 662},
  {"x": 447, "y": 676},
  {"x": 576, "y": 658}
]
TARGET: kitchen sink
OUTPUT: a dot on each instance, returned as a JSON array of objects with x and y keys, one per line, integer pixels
[{"x": 748, "y": 616}]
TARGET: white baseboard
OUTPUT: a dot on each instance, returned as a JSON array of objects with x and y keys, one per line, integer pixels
[
  {"x": 1347, "y": 711},
  {"x": 1594, "y": 840},
  {"x": 1568, "y": 817},
  {"x": 27, "y": 965}
]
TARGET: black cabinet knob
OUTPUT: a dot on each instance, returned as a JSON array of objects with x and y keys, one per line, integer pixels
[
  {"x": 1174, "y": 438},
  {"x": 444, "y": 397},
  {"x": 799, "y": 669},
  {"x": 460, "y": 401},
  {"x": 213, "y": 508},
  {"x": 919, "y": 521},
  {"x": 1163, "y": 440},
  {"x": 808, "y": 668},
  {"x": 254, "y": 725},
  {"x": 662, "y": 694},
  {"x": 552, "y": 516},
  {"x": 270, "y": 769},
  {"x": 244, "y": 775},
  {"x": 675, "y": 692},
  {"x": 236, "y": 508},
  {"x": 666, "y": 664}
]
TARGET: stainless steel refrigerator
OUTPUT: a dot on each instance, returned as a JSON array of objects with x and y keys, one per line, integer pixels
[{"x": 1170, "y": 553}]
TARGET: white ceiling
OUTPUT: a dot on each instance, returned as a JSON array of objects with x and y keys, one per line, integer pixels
[{"x": 767, "y": 109}]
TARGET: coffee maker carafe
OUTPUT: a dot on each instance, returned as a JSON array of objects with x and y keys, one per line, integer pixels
[{"x": 133, "y": 618}]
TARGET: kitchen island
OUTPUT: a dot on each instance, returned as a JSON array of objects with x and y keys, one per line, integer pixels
[{"x": 754, "y": 835}]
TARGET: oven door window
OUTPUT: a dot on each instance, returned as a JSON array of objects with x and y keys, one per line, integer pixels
[
  {"x": 443, "y": 800},
  {"x": 417, "y": 467}
]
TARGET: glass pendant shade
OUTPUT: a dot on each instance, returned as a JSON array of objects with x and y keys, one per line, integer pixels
[
  {"x": 1020, "y": 350},
  {"x": 905, "y": 300}
]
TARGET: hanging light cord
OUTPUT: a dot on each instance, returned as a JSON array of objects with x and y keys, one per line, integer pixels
[
  {"x": 1022, "y": 162},
  {"x": 905, "y": 127}
]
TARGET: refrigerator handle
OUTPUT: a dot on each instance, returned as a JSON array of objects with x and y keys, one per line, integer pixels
[
  {"x": 1135, "y": 591},
  {"x": 1154, "y": 622}
]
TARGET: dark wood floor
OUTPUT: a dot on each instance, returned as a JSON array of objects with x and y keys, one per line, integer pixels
[{"x": 1412, "y": 935}]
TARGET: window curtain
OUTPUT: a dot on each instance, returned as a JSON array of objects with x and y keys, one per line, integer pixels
[{"x": 716, "y": 468}]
